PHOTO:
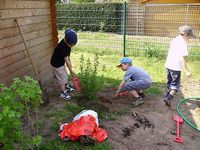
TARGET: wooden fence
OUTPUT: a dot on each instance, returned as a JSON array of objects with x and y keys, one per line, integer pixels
[
  {"x": 37, "y": 19},
  {"x": 161, "y": 19}
]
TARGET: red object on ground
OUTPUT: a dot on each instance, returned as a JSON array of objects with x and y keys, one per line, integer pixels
[
  {"x": 86, "y": 125},
  {"x": 178, "y": 121},
  {"x": 123, "y": 93},
  {"x": 77, "y": 84}
]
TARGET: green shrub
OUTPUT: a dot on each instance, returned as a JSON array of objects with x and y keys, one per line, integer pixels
[
  {"x": 90, "y": 82},
  {"x": 16, "y": 101},
  {"x": 90, "y": 17}
]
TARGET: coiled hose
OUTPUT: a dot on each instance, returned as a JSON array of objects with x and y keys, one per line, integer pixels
[{"x": 184, "y": 118}]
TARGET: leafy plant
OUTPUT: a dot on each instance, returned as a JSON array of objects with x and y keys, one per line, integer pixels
[
  {"x": 90, "y": 82},
  {"x": 21, "y": 98},
  {"x": 154, "y": 51}
]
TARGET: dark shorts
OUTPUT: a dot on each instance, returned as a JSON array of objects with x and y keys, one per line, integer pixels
[{"x": 173, "y": 79}]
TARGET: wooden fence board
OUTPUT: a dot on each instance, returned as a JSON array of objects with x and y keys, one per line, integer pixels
[
  {"x": 41, "y": 64},
  {"x": 37, "y": 21},
  {"x": 35, "y": 29},
  {"x": 8, "y": 32},
  {"x": 2, "y": 4},
  {"x": 6, "y": 42},
  {"x": 11, "y": 59},
  {"x": 36, "y": 26},
  {"x": 4, "y": 52},
  {"x": 34, "y": 50},
  {"x": 37, "y": 34},
  {"x": 6, "y": 23},
  {"x": 10, "y": 4},
  {"x": 39, "y": 40},
  {"x": 16, "y": 13},
  {"x": 28, "y": 68}
]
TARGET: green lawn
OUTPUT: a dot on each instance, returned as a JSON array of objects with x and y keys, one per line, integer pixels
[{"x": 108, "y": 41}]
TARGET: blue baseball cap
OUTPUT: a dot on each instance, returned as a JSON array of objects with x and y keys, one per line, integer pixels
[
  {"x": 71, "y": 37},
  {"x": 124, "y": 60}
]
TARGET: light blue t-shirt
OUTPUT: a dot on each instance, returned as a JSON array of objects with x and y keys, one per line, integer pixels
[{"x": 136, "y": 73}]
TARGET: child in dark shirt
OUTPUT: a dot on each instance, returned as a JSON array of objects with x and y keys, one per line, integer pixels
[{"x": 61, "y": 55}]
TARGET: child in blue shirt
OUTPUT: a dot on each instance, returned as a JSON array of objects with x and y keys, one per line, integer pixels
[{"x": 135, "y": 80}]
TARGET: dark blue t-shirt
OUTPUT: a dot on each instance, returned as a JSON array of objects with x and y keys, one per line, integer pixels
[{"x": 61, "y": 51}]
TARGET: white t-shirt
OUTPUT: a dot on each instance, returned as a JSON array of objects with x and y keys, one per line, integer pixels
[{"x": 178, "y": 49}]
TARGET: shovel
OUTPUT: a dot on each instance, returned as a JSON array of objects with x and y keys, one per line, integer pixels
[
  {"x": 44, "y": 92},
  {"x": 76, "y": 83},
  {"x": 178, "y": 121},
  {"x": 122, "y": 93}
]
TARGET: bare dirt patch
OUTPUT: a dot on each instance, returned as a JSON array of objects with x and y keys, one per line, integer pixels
[{"x": 149, "y": 126}]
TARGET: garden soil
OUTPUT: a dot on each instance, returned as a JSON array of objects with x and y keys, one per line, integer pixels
[
  {"x": 146, "y": 127},
  {"x": 150, "y": 126}
]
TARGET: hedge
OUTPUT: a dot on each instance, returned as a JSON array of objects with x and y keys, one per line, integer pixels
[{"x": 90, "y": 17}]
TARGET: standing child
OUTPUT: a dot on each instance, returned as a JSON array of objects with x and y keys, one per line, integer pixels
[
  {"x": 61, "y": 55},
  {"x": 135, "y": 80},
  {"x": 176, "y": 60}
]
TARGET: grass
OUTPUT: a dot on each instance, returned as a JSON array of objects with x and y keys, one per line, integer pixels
[
  {"x": 59, "y": 145},
  {"x": 109, "y": 49}
]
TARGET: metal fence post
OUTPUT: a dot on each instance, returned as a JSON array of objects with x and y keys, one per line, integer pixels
[{"x": 124, "y": 30}]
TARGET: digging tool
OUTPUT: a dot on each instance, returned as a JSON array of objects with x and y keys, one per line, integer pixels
[
  {"x": 123, "y": 93},
  {"x": 76, "y": 83},
  {"x": 44, "y": 92},
  {"x": 178, "y": 121}
]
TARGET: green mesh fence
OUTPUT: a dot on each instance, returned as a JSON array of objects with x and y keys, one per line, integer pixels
[
  {"x": 149, "y": 28},
  {"x": 98, "y": 25}
]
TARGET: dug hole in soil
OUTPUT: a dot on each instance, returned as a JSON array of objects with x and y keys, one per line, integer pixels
[{"x": 146, "y": 127}]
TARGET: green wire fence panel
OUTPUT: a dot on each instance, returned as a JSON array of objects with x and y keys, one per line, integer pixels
[
  {"x": 98, "y": 25},
  {"x": 129, "y": 28},
  {"x": 151, "y": 27}
]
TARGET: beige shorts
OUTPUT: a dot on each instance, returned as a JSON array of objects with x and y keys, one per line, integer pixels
[{"x": 61, "y": 74}]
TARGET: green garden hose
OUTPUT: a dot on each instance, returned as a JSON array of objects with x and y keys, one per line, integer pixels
[{"x": 184, "y": 118}]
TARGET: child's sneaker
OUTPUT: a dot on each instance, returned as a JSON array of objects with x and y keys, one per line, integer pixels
[
  {"x": 137, "y": 102},
  {"x": 68, "y": 88},
  {"x": 65, "y": 95},
  {"x": 142, "y": 95},
  {"x": 168, "y": 99}
]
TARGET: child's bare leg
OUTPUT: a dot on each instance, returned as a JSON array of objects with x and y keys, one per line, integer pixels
[
  {"x": 134, "y": 93},
  {"x": 139, "y": 100},
  {"x": 62, "y": 87},
  {"x": 139, "y": 91},
  {"x": 172, "y": 92}
]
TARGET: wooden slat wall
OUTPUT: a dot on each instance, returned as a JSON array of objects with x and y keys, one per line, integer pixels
[
  {"x": 164, "y": 20},
  {"x": 38, "y": 22},
  {"x": 134, "y": 19}
]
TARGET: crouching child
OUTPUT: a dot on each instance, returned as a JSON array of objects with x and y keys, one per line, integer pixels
[{"x": 135, "y": 80}]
